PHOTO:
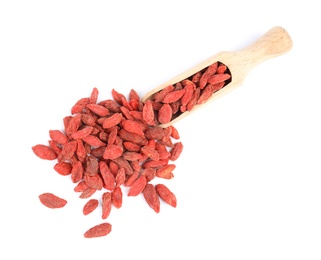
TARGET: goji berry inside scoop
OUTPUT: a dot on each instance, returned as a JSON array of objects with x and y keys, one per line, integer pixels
[{"x": 174, "y": 100}]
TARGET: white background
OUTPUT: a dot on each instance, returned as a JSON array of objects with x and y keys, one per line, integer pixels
[{"x": 248, "y": 182}]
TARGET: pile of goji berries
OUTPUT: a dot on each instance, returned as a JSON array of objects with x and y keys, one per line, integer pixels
[
  {"x": 116, "y": 143},
  {"x": 107, "y": 145}
]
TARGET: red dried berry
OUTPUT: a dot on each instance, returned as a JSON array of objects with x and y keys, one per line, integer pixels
[
  {"x": 148, "y": 113},
  {"x": 138, "y": 186},
  {"x": 106, "y": 205},
  {"x": 113, "y": 120},
  {"x": 117, "y": 197},
  {"x": 98, "y": 230},
  {"x": 173, "y": 96},
  {"x": 63, "y": 168},
  {"x": 166, "y": 171},
  {"x": 176, "y": 151},
  {"x": 58, "y": 137},
  {"x": 52, "y": 201},
  {"x": 44, "y": 152},
  {"x": 166, "y": 195},
  {"x": 151, "y": 197},
  {"x": 113, "y": 152},
  {"x": 165, "y": 114},
  {"x": 90, "y": 206}
]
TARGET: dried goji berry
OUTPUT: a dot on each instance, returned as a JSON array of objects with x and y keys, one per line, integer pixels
[
  {"x": 88, "y": 119},
  {"x": 90, "y": 206},
  {"x": 63, "y": 168},
  {"x": 118, "y": 97},
  {"x": 81, "y": 186},
  {"x": 150, "y": 152},
  {"x": 155, "y": 164},
  {"x": 132, "y": 156},
  {"x": 221, "y": 69},
  {"x": 135, "y": 165},
  {"x": 73, "y": 124},
  {"x": 82, "y": 133},
  {"x": 67, "y": 151},
  {"x": 79, "y": 105},
  {"x": 189, "y": 87},
  {"x": 93, "y": 140},
  {"x": 98, "y": 230},
  {"x": 176, "y": 151},
  {"x": 94, "y": 181},
  {"x": 209, "y": 72},
  {"x": 151, "y": 197},
  {"x": 93, "y": 96},
  {"x": 173, "y": 96},
  {"x": 159, "y": 96},
  {"x": 111, "y": 105},
  {"x": 155, "y": 133},
  {"x": 77, "y": 172},
  {"x": 130, "y": 146},
  {"x": 131, "y": 137},
  {"x": 206, "y": 94},
  {"x": 217, "y": 86},
  {"x": 80, "y": 151},
  {"x": 58, "y": 137},
  {"x": 174, "y": 133},
  {"x": 52, "y": 201},
  {"x": 120, "y": 177},
  {"x": 131, "y": 179},
  {"x": 133, "y": 95},
  {"x": 196, "y": 77},
  {"x": 91, "y": 166},
  {"x": 166, "y": 171},
  {"x": 113, "y": 120},
  {"x": 138, "y": 186},
  {"x": 44, "y": 152},
  {"x": 98, "y": 109},
  {"x": 162, "y": 151},
  {"x": 123, "y": 163},
  {"x": 117, "y": 197},
  {"x": 165, "y": 114},
  {"x": 112, "y": 135},
  {"x": 55, "y": 147},
  {"x": 113, "y": 168},
  {"x": 166, "y": 195},
  {"x": 106, "y": 174},
  {"x": 106, "y": 205},
  {"x": 87, "y": 193},
  {"x": 113, "y": 151},
  {"x": 149, "y": 174},
  {"x": 148, "y": 113},
  {"x": 191, "y": 104},
  {"x": 133, "y": 127},
  {"x": 98, "y": 152},
  {"x": 218, "y": 78}
]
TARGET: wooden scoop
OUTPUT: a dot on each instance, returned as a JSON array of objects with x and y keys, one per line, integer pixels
[{"x": 273, "y": 43}]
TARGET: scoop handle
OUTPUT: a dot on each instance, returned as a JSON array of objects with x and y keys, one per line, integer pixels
[{"x": 273, "y": 43}]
